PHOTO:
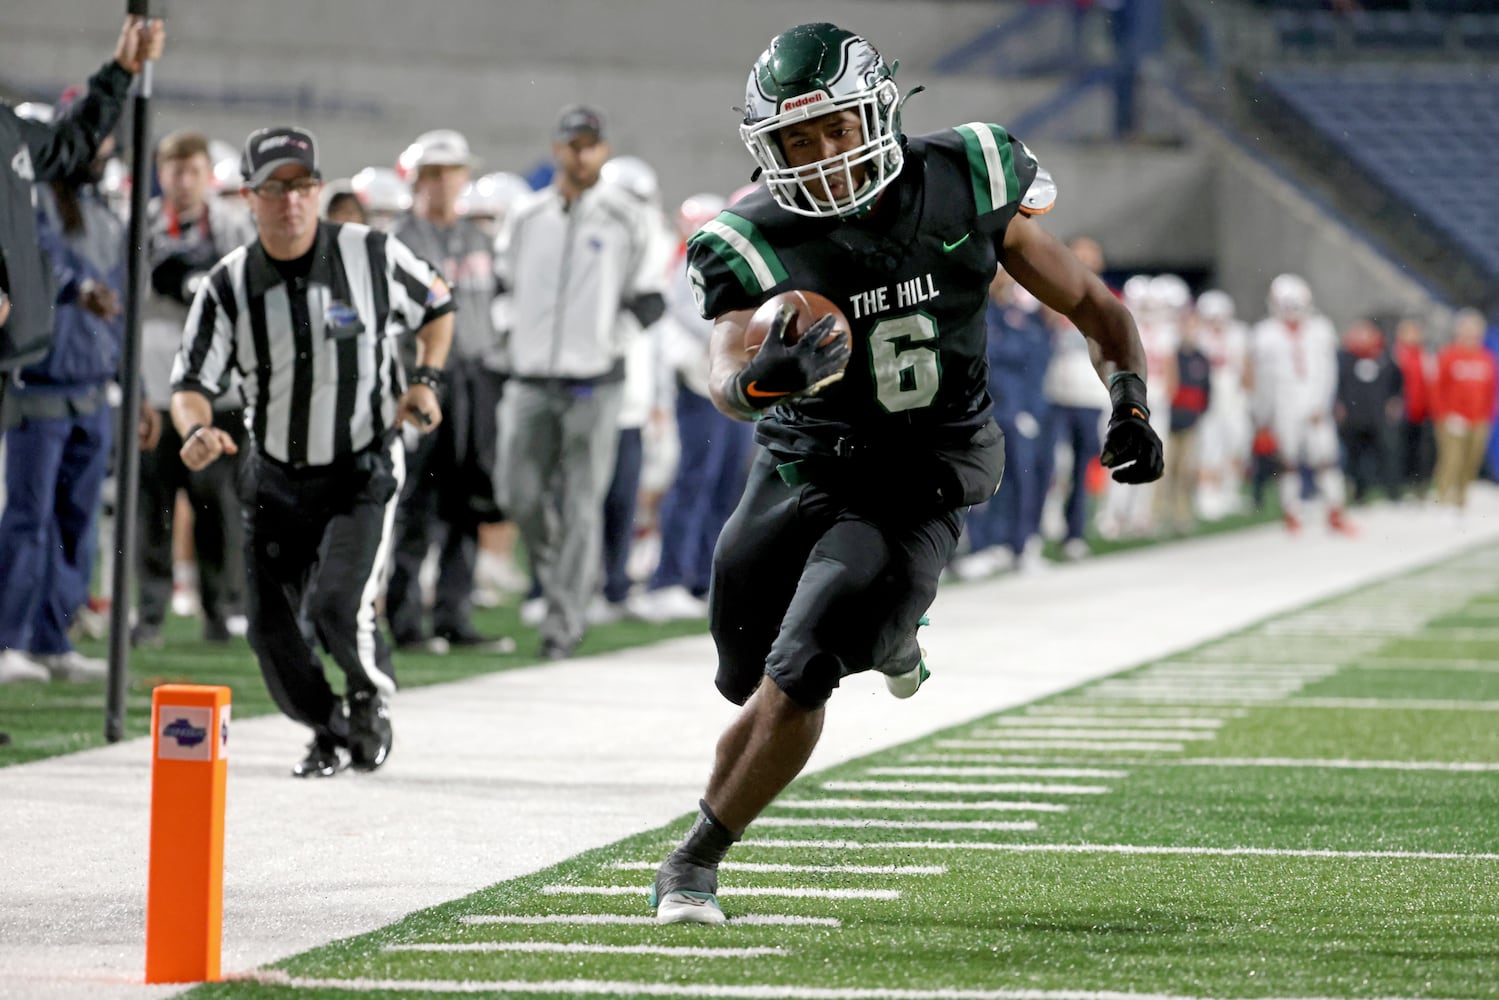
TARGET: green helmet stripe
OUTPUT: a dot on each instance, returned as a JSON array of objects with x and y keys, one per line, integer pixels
[
  {"x": 745, "y": 251},
  {"x": 991, "y": 165}
]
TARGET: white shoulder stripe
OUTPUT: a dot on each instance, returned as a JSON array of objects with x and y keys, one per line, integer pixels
[
  {"x": 757, "y": 263},
  {"x": 999, "y": 194}
]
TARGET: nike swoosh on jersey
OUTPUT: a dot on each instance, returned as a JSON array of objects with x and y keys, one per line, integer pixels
[
  {"x": 754, "y": 390},
  {"x": 950, "y": 247}
]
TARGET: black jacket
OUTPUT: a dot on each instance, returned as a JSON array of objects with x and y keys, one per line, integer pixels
[{"x": 31, "y": 152}]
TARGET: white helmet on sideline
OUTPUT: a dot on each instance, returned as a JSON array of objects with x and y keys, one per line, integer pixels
[
  {"x": 634, "y": 175},
  {"x": 1290, "y": 297}
]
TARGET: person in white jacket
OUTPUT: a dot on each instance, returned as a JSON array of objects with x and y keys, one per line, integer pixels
[
  {"x": 1226, "y": 428},
  {"x": 1294, "y": 391},
  {"x": 579, "y": 256}
]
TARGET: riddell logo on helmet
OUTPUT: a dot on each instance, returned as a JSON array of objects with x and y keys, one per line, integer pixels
[{"x": 803, "y": 101}]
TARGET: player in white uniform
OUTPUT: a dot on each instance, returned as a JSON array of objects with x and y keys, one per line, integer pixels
[
  {"x": 1158, "y": 304},
  {"x": 1295, "y": 384},
  {"x": 1226, "y": 428}
]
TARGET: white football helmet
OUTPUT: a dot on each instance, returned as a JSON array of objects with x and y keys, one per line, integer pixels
[
  {"x": 1290, "y": 297},
  {"x": 443, "y": 147},
  {"x": 1215, "y": 306},
  {"x": 1170, "y": 294},
  {"x": 383, "y": 194},
  {"x": 633, "y": 175},
  {"x": 492, "y": 195}
]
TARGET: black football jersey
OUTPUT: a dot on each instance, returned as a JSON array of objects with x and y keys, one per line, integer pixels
[{"x": 913, "y": 282}]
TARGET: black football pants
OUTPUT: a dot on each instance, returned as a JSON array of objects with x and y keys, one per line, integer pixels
[{"x": 318, "y": 539}]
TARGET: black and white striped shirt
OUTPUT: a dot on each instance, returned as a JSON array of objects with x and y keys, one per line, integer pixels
[{"x": 321, "y": 373}]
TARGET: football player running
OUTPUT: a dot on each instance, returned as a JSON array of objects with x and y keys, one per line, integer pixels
[{"x": 856, "y": 498}]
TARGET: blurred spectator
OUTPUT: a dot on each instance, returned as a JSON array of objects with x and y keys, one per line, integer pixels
[
  {"x": 1194, "y": 392},
  {"x": 1463, "y": 405},
  {"x": 341, "y": 204},
  {"x": 58, "y": 430},
  {"x": 635, "y": 177},
  {"x": 713, "y": 460},
  {"x": 1076, "y": 399},
  {"x": 449, "y": 481},
  {"x": 1295, "y": 385},
  {"x": 559, "y": 421},
  {"x": 189, "y": 231},
  {"x": 43, "y": 151},
  {"x": 1417, "y": 446},
  {"x": 1225, "y": 433},
  {"x": 1369, "y": 409},
  {"x": 1006, "y": 531}
]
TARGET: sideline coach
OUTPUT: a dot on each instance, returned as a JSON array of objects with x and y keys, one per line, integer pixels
[{"x": 305, "y": 314}]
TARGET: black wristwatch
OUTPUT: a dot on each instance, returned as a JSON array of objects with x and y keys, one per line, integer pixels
[{"x": 430, "y": 376}]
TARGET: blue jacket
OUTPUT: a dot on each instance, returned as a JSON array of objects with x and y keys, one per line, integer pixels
[
  {"x": 85, "y": 351},
  {"x": 1019, "y": 352}
]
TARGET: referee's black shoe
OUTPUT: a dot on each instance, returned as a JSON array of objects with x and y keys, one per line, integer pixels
[
  {"x": 322, "y": 760},
  {"x": 370, "y": 736}
]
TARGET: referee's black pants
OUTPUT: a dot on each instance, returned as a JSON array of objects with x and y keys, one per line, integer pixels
[{"x": 317, "y": 540}]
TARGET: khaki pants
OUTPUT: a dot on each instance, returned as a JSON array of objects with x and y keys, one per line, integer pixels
[
  {"x": 1459, "y": 456},
  {"x": 1178, "y": 489}
]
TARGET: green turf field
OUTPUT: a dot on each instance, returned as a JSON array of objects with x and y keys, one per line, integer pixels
[{"x": 1308, "y": 808}]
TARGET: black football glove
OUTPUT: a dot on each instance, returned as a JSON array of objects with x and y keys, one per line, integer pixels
[
  {"x": 1131, "y": 447},
  {"x": 782, "y": 371}
]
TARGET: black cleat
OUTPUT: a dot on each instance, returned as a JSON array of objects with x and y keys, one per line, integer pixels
[
  {"x": 370, "y": 735},
  {"x": 322, "y": 760}
]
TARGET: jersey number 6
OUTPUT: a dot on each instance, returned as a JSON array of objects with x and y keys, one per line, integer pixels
[{"x": 903, "y": 353}]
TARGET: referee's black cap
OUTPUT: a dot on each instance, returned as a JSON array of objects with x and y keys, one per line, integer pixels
[{"x": 269, "y": 149}]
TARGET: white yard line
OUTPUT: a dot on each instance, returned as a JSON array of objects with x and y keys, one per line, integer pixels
[
  {"x": 1129, "y": 721},
  {"x": 709, "y": 991},
  {"x": 611, "y": 919},
  {"x": 1229, "y": 852},
  {"x": 790, "y": 892},
  {"x": 897, "y": 824},
  {"x": 920, "y": 805},
  {"x": 964, "y": 788},
  {"x": 1090, "y": 733},
  {"x": 1117, "y": 712},
  {"x": 786, "y": 869},
  {"x": 998, "y": 772},
  {"x": 1019, "y": 744},
  {"x": 1308, "y": 762},
  {"x": 573, "y": 948}
]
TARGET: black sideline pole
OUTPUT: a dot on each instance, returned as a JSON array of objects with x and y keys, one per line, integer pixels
[{"x": 127, "y": 451}]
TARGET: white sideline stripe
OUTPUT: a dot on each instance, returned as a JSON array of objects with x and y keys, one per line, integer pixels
[
  {"x": 1233, "y": 852},
  {"x": 920, "y": 805},
  {"x": 574, "y": 948},
  {"x": 788, "y": 869},
  {"x": 759, "y": 890},
  {"x": 960, "y": 787},
  {"x": 760, "y": 919},
  {"x": 1062, "y": 745},
  {"x": 711, "y": 991},
  {"x": 1131, "y": 721},
  {"x": 898, "y": 824},
  {"x": 999, "y": 772},
  {"x": 1357, "y": 765},
  {"x": 1088, "y": 733},
  {"x": 1109, "y": 712}
]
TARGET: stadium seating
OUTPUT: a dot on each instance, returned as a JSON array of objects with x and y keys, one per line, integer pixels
[{"x": 1428, "y": 135}]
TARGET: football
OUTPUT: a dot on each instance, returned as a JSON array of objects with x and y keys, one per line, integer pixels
[{"x": 809, "y": 306}]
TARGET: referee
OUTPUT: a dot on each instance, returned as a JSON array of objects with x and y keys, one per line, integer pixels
[{"x": 305, "y": 315}]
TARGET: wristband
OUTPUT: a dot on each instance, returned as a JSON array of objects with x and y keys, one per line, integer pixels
[
  {"x": 429, "y": 376},
  {"x": 1127, "y": 393},
  {"x": 192, "y": 432}
]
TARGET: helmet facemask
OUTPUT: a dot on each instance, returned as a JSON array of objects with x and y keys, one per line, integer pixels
[{"x": 860, "y": 82}]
